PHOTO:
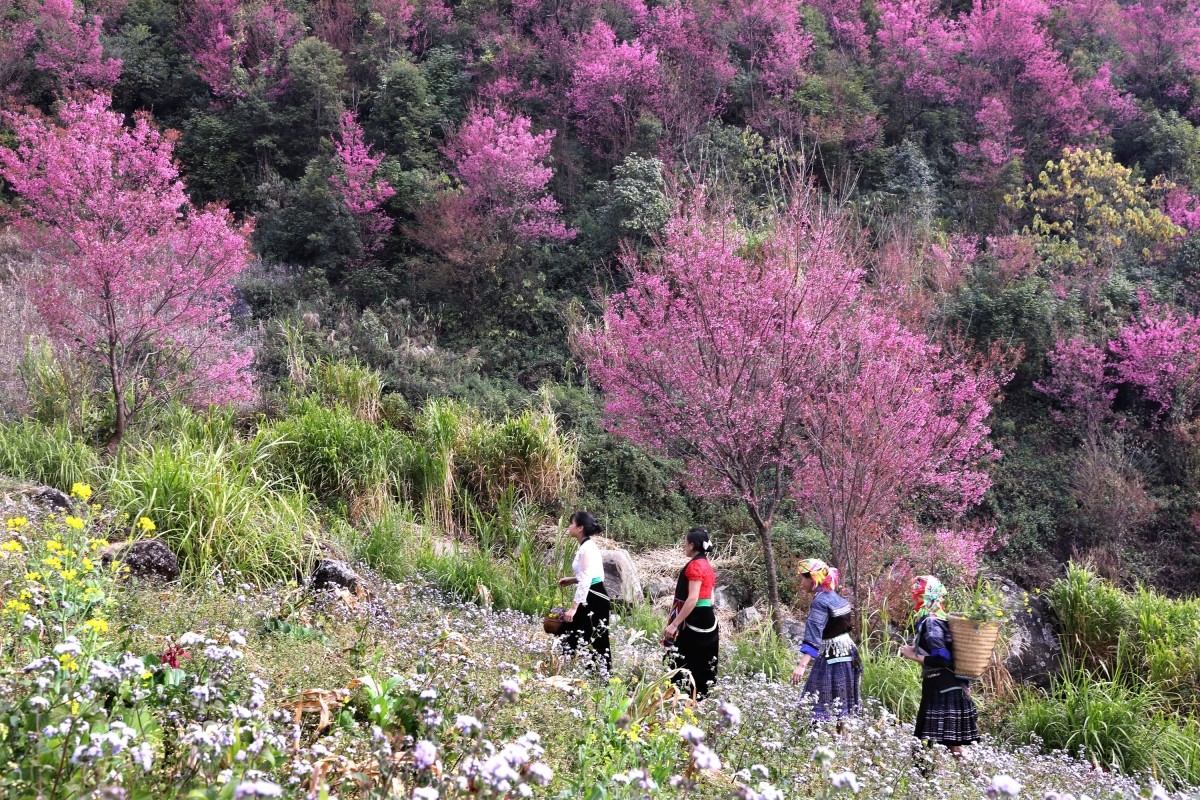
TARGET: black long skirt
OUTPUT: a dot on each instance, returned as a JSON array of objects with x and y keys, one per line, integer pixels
[
  {"x": 588, "y": 631},
  {"x": 947, "y": 714},
  {"x": 696, "y": 652}
]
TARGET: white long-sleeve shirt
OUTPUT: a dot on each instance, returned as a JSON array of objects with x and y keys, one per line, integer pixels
[{"x": 588, "y": 565}]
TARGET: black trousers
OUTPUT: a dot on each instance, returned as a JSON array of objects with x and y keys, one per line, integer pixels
[
  {"x": 696, "y": 652},
  {"x": 589, "y": 629}
]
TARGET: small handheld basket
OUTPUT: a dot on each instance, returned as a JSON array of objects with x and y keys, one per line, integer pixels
[
  {"x": 554, "y": 623},
  {"x": 973, "y": 644}
]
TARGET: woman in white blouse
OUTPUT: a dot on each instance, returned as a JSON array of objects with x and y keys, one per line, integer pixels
[{"x": 587, "y": 618}]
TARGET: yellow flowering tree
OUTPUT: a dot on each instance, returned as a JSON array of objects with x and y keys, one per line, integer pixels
[{"x": 1090, "y": 213}]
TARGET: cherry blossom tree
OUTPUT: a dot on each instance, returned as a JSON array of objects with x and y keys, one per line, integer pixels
[
  {"x": 1158, "y": 353},
  {"x": 501, "y": 164},
  {"x": 775, "y": 378},
  {"x": 612, "y": 83},
  {"x": 131, "y": 276},
  {"x": 709, "y": 356},
  {"x": 357, "y": 183},
  {"x": 897, "y": 422},
  {"x": 69, "y": 48},
  {"x": 235, "y": 47}
]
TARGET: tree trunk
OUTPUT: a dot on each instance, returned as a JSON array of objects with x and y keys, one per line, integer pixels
[
  {"x": 114, "y": 442},
  {"x": 763, "y": 528}
]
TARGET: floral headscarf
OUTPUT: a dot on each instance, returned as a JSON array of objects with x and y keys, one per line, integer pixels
[
  {"x": 928, "y": 594},
  {"x": 825, "y": 576}
]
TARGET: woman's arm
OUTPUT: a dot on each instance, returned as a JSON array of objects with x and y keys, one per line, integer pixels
[
  {"x": 688, "y": 604},
  {"x": 814, "y": 626}
]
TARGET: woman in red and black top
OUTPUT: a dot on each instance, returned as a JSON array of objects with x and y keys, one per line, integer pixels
[{"x": 692, "y": 636}]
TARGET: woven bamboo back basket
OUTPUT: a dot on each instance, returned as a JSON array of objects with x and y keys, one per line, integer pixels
[{"x": 973, "y": 644}]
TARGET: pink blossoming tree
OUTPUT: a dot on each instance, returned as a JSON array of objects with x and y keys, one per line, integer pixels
[
  {"x": 501, "y": 164},
  {"x": 896, "y": 422},
  {"x": 357, "y": 183},
  {"x": 612, "y": 83},
  {"x": 237, "y": 46},
  {"x": 69, "y": 48},
  {"x": 773, "y": 378},
  {"x": 132, "y": 276}
]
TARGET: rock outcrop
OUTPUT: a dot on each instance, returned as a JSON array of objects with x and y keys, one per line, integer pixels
[{"x": 144, "y": 559}]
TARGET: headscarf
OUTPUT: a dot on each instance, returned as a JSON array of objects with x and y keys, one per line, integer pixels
[
  {"x": 928, "y": 595},
  {"x": 825, "y": 576}
]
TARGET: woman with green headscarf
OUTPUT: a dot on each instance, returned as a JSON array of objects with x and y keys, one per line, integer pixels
[{"x": 947, "y": 714}]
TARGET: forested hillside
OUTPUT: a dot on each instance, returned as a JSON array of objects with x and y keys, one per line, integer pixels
[
  {"x": 331, "y": 312},
  {"x": 441, "y": 191}
]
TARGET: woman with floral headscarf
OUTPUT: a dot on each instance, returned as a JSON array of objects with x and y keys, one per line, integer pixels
[
  {"x": 947, "y": 714},
  {"x": 837, "y": 672}
]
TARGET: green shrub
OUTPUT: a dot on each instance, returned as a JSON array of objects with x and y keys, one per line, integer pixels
[
  {"x": 52, "y": 455},
  {"x": 217, "y": 507}
]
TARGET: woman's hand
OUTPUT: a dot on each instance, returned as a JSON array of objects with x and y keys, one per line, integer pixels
[
  {"x": 567, "y": 581},
  {"x": 671, "y": 632},
  {"x": 797, "y": 674},
  {"x": 569, "y": 615},
  {"x": 909, "y": 652}
]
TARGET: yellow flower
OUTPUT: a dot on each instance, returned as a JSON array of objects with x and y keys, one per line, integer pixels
[
  {"x": 88, "y": 566},
  {"x": 74, "y": 522},
  {"x": 96, "y": 544},
  {"x": 53, "y": 562},
  {"x": 25, "y": 594},
  {"x": 97, "y": 624},
  {"x": 33, "y": 577},
  {"x": 82, "y": 491},
  {"x": 11, "y": 546},
  {"x": 74, "y": 706},
  {"x": 15, "y": 607},
  {"x": 54, "y": 546},
  {"x": 147, "y": 675},
  {"x": 16, "y": 523},
  {"x": 68, "y": 662},
  {"x": 146, "y": 524},
  {"x": 68, "y": 575}
]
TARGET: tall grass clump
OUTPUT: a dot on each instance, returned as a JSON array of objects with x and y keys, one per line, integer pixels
[
  {"x": 895, "y": 682},
  {"x": 386, "y": 543},
  {"x": 48, "y": 454},
  {"x": 1091, "y": 613},
  {"x": 527, "y": 453},
  {"x": 1157, "y": 637},
  {"x": 1117, "y": 723},
  {"x": 353, "y": 386},
  {"x": 57, "y": 391},
  {"x": 761, "y": 651},
  {"x": 340, "y": 457},
  {"x": 217, "y": 508}
]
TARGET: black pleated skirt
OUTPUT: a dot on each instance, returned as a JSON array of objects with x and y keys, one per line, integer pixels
[{"x": 947, "y": 714}]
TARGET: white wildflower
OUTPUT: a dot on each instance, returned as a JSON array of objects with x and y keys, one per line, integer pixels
[{"x": 844, "y": 780}]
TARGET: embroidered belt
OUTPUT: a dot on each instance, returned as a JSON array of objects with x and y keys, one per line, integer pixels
[
  {"x": 839, "y": 660},
  {"x": 703, "y": 630},
  {"x": 837, "y": 647}
]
